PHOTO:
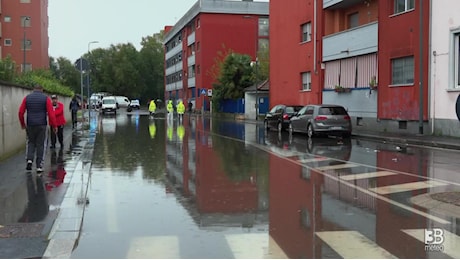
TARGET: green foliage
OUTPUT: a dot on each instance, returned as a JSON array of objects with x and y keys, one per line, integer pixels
[
  {"x": 44, "y": 78},
  {"x": 7, "y": 69},
  {"x": 65, "y": 72},
  {"x": 235, "y": 75}
]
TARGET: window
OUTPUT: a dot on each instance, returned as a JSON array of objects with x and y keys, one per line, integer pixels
[
  {"x": 402, "y": 71},
  {"x": 263, "y": 26},
  {"x": 25, "y": 21},
  {"x": 24, "y": 1},
  {"x": 7, "y": 19},
  {"x": 8, "y": 42},
  {"x": 306, "y": 81},
  {"x": 353, "y": 20},
  {"x": 456, "y": 59},
  {"x": 28, "y": 67},
  {"x": 26, "y": 44},
  {"x": 306, "y": 32},
  {"x": 403, "y": 5}
]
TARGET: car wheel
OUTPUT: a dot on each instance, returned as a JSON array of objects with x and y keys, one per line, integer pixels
[
  {"x": 266, "y": 125},
  {"x": 310, "y": 131},
  {"x": 279, "y": 127},
  {"x": 290, "y": 129}
]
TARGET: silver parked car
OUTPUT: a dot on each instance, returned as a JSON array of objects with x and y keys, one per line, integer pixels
[{"x": 321, "y": 119}]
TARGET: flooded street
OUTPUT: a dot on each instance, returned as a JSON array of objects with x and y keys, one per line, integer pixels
[{"x": 204, "y": 188}]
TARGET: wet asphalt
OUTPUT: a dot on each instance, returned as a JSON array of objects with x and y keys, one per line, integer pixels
[{"x": 206, "y": 188}]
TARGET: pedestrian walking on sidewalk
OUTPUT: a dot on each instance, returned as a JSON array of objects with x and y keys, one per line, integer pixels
[
  {"x": 74, "y": 106},
  {"x": 38, "y": 107},
  {"x": 60, "y": 123}
]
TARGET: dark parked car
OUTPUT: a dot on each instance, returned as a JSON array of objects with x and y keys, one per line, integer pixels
[
  {"x": 321, "y": 119},
  {"x": 279, "y": 116}
]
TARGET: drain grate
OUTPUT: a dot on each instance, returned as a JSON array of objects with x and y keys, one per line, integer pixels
[{"x": 21, "y": 230}]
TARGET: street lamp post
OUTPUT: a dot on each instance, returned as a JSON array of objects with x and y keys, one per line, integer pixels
[
  {"x": 27, "y": 18},
  {"x": 256, "y": 64},
  {"x": 88, "y": 77}
]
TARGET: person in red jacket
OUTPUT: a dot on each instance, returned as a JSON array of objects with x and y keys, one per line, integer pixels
[
  {"x": 38, "y": 107},
  {"x": 58, "y": 108}
]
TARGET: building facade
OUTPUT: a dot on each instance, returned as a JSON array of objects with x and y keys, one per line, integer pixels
[
  {"x": 24, "y": 33},
  {"x": 195, "y": 41},
  {"x": 444, "y": 63},
  {"x": 398, "y": 58}
]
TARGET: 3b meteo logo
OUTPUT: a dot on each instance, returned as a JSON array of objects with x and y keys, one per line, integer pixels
[{"x": 434, "y": 239}]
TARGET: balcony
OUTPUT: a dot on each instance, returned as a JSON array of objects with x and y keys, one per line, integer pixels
[
  {"x": 177, "y": 49},
  {"x": 174, "y": 86},
  {"x": 191, "y": 39},
  {"x": 173, "y": 69},
  {"x": 339, "y": 4},
  {"x": 191, "y": 82},
  {"x": 357, "y": 41},
  {"x": 191, "y": 60}
]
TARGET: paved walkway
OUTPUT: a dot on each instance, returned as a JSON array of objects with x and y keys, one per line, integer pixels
[{"x": 56, "y": 234}]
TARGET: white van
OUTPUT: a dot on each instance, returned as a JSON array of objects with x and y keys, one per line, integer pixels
[
  {"x": 109, "y": 104},
  {"x": 122, "y": 101}
]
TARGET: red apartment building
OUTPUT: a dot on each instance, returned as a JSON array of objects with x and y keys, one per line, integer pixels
[
  {"x": 193, "y": 44},
  {"x": 27, "y": 18},
  {"x": 316, "y": 45}
]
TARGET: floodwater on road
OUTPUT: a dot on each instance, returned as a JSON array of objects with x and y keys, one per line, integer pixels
[{"x": 206, "y": 188}]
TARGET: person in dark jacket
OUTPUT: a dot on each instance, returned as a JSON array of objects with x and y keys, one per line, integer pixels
[
  {"x": 38, "y": 107},
  {"x": 73, "y": 107}
]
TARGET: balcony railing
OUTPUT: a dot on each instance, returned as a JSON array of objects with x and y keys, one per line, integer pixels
[{"x": 357, "y": 41}]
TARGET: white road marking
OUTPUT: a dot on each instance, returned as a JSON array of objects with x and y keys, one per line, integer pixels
[
  {"x": 366, "y": 175},
  {"x": 318, "y": 159},
  {"x": 254, "y": 246},
  {"x": 164, "y": 247},
  {"x": 352, "y": 244},
  {"x": 338, "y": 166},
  {"x": 451, "y": 241},
  {"x": 407, "y": 187}
]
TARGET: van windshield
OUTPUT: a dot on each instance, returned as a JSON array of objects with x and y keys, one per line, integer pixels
[{"x": 108, "y": 101}]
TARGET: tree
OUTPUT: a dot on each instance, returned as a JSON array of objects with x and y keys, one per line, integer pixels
[
  {"x": 235, "y": 75},
  {"x": 7, "y": 68},
  {"x": 64, "y": 71},
  {"x": 152, "y": 66}
]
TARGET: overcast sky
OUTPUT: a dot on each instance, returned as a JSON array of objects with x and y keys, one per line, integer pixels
[{"x": 75, "y": 23}]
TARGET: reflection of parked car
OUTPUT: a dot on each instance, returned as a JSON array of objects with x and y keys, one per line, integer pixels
[
  {"x": 336, "y": 148},
  {"x": 279, "y": 116},
  {"x": 135, "y": 104},
  {"x": 321, "y": 119}
]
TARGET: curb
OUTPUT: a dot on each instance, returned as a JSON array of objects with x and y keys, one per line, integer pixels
[{"x": 65, "y": 231}]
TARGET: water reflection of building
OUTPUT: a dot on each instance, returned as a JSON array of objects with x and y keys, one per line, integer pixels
[
  {"x": 196, "y": 169},
  {"x": 344, "y": 200}
]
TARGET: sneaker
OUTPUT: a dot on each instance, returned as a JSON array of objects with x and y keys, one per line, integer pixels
[
  {"x": 39, "y": 170},
  {"x": 29, "y": 165}
]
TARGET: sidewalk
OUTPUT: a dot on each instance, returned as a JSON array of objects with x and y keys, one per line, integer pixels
[
  {"x": 413, "y": 140},
  {"x": 31, "y": 206}
]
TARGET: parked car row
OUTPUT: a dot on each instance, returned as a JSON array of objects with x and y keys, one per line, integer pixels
[{"x": 314, "y": 120}]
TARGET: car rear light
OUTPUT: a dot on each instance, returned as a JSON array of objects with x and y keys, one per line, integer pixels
[
  {"x": 320, "y": 118},
  {"x": 346, "y": 117},
  {"x": 285, "y": 116}
]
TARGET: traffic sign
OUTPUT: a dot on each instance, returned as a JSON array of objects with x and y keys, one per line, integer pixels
[
  {"x": 209, "y": 92},
  {"x": 203, "y": 91}
]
